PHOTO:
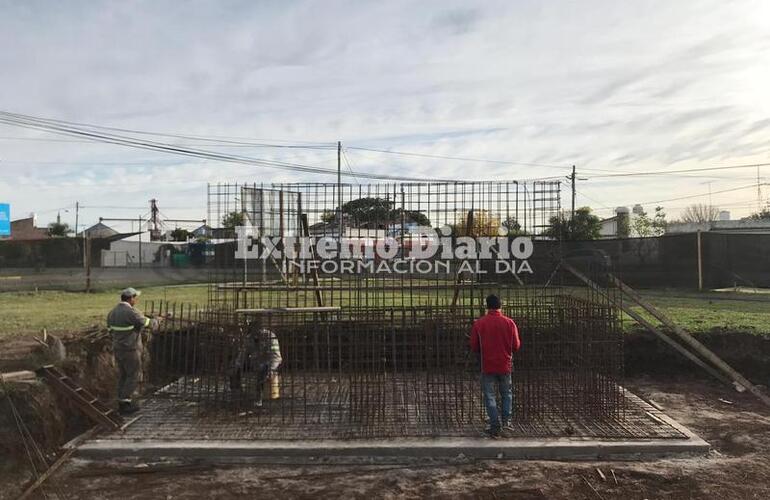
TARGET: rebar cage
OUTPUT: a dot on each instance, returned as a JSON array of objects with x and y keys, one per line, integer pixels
[{"x": 371, "y": 353}]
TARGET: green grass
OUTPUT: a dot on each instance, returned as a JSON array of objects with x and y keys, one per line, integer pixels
[
  {"x": 702, "y": 312},
  {"x": 27, "y": 312}
]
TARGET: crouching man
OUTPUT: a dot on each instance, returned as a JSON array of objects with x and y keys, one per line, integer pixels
[
  {"x": 495, "y": 338},
  {"x": 260, "y": 353}
]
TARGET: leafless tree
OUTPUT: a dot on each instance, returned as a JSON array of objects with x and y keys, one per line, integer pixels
[{"x": 699, "y": 213}]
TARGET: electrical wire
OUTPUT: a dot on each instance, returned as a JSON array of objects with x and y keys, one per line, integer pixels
[
  {"x": 72, "y": 129},
  {"x": 705, "y": 194},
  {"x": 459, "y": 158},
  {"x": 347, "y": 162},
  {"x": 669, "y": 172}
]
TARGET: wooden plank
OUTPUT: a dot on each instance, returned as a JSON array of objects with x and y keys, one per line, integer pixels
[
  {"x": 58, "y": 463},
  {"x": 459, "y": 279},
  {"x": 739, "y": 380},
  {"x": 649, "y": 326},
  {"x": 306, "y": 232},
  {"x": 275, "y": 310},
  {"x": 16, "y": 376},
  {"x": 81, "y": 398}
]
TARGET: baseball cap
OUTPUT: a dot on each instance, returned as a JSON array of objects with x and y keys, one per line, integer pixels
[{"x": 130, "y": 292}]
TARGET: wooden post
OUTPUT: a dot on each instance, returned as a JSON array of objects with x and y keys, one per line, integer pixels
[
  {"x": 739, "y": 381},
  {"x": 88, "y": 264},
  {"x": 700, "y": 262},
  {"x": 459, "y": 279},
  {"x": 306, "y": 233},
  {"x": 642, "y": 321}
]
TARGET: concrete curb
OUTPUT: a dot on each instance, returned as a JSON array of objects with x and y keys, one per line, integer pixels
[{"x": 517, "y": 449}]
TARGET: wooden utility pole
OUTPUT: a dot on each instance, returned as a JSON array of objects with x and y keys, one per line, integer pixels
[
  {"x": 77, "y": 207},
  {"x": 573, "y": 178},
  {"x": 88, "y": 264},
  {"x": 140, "y": 242},
  {"x": 700, "y": 262},
  {"x": 339, "y": 193}
]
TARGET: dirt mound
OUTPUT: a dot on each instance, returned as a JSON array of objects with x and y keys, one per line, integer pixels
[
  {"x": 49, "y": 418},
  {"x": 747, "y": 352}
]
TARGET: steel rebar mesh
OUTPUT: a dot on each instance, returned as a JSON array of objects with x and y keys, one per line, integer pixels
[{"x": 368, "y": 354}]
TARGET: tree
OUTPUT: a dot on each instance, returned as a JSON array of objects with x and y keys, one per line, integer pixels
[
  {"x": 180, "y": 234},
  {"x": 414, "y": 217},
  {"x": 232, "y": 220},
  {"x": 584, "y": 226},
  {"x": 485, "y": 223},
  {"x": 373, "y": 211},
  {"x": 328, "y": 216},
  {"x": 513, "y": 227},
  {"x": 644, "y": 226},
  {"x": 699, "y": 213},
  {"x": 58, "y": 229},
  {"x": 376, "y": 213},
  {"x": 763, "y": 214}
]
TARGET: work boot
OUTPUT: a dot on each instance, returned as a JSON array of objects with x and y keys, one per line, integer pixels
[
  {"x": 127, "y": 407},
  {"x": 507, "y": 424},
  {"x": 492, "y": 431}
]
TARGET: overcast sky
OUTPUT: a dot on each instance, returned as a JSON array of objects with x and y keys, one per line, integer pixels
[{"x": 607, "y": 86}]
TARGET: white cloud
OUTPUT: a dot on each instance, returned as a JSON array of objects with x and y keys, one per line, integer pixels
[{"x": 603, "y": 85}]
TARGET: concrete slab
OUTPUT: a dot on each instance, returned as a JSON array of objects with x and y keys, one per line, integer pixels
[
  {"x": 188, "y": 436},
  {"x": 518, "y": 449},
  {"x": 502, "y": 448}
]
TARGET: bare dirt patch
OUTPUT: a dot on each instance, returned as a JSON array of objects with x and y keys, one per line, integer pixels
[
  {"x": 737, "y": 426},
  {"x": 739, "y": 466}
]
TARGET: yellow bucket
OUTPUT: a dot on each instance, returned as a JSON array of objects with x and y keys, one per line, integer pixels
[{"x": 275, "y": 387}]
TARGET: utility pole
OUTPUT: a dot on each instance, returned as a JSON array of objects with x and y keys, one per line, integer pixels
[
  {"x": 140, "y": 241},
  {"x": 339, "y": 192},
  {"x": 573, "y": 178},
  {"x": 77, "y": 208}
]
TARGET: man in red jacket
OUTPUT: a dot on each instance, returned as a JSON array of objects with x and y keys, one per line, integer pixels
[{"x": 495, "y": 338}]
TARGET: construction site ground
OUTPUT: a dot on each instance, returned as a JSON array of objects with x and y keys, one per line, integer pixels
[{"x": 736, "y": 425}]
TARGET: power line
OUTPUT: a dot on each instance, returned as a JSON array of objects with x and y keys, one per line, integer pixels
[
  {"x": 347, "y": 162},
  {"x": 669, "y": 172},
  {"x": 459, "y": 158},
  {"x": 609, "y": 172},
  {"x": 702, "y": 194},
  {"x": 209, "y": 142},
  {"x": 582, "y": 193},
  {"x": 72, "y": 129}
]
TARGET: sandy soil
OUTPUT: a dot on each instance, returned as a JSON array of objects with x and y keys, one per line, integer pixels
[{"x": 739, "y": 466}]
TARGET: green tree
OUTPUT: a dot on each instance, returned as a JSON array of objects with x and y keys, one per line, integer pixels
[
  {"x": 374, "y": 211},
  {"x": 232, "y": 220},
  {"x": 584, "y": 226},
  {"x": 328, "y": 216},
  {"x": 414, "y": 217},
  {"x": 645, "y": 226},
  {"x": 763, "y": 214},
  {"x": 377, "y": 212},
  {"x": 180, "y": 234},
  {"x": 58, "y": 229},
  {"x": 513, "y": 227}
]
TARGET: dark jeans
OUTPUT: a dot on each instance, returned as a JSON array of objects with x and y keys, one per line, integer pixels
[{"x": 490, "y": 383}]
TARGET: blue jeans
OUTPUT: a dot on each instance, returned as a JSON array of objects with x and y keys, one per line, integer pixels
[{"x": 489, "y": 386}]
